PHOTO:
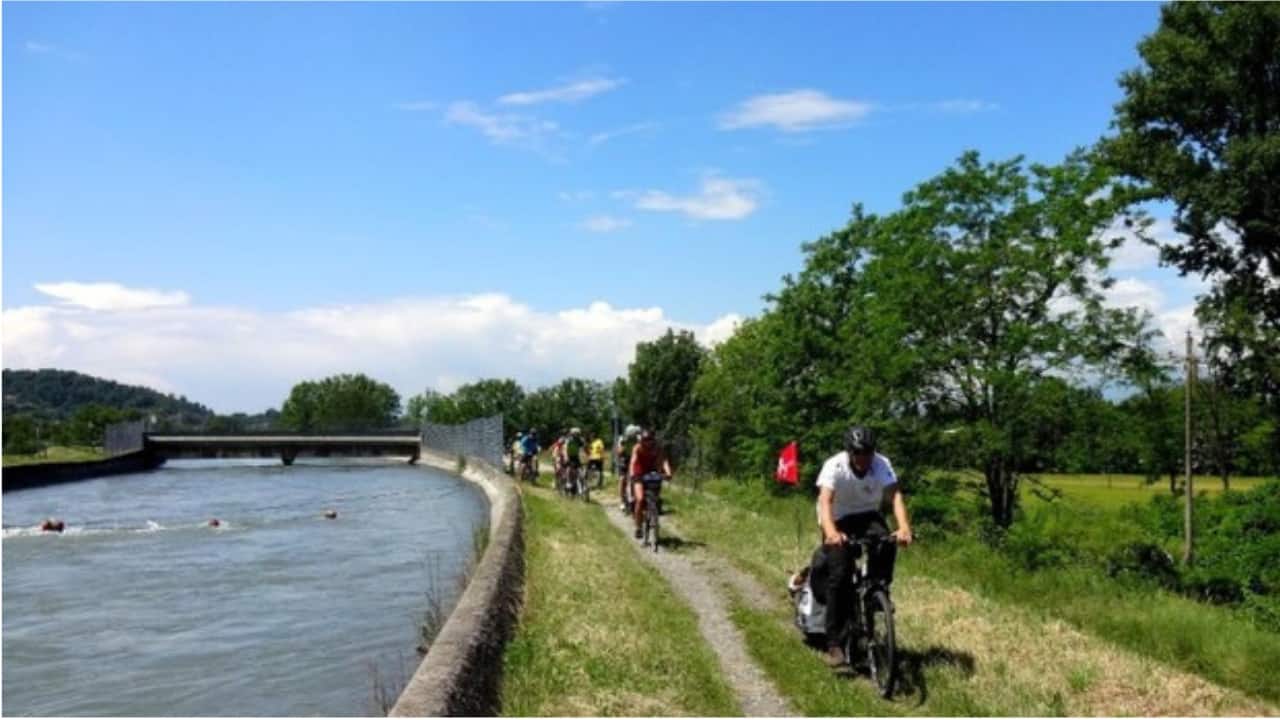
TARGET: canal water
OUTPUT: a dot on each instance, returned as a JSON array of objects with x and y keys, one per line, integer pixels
[{"x": 142, "y": 608}]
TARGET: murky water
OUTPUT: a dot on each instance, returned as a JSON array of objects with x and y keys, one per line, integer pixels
[{"x": 142, "y": 608}]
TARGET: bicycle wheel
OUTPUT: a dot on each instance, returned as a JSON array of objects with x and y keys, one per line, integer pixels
[
  {"x": 881, "y": 645},
  {"x": 651, "y": 519}
]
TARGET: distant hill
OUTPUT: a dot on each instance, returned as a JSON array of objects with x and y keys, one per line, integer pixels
[{"x": 57, "y": 394}]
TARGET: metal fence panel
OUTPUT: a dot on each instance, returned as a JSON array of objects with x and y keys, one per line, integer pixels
[
  {"x": 123, "y": 437},
  {"x": 480, "y": 438}
]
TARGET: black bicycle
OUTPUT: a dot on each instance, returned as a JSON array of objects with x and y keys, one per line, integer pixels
[
  {"x": 578, "y": 482},
  {"x": 871, "y": 617},
  {"x": 529, "y": 470},
  {"x": 652, "y": 508}
]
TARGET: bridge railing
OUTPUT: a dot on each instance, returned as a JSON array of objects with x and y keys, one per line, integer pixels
[{"x": 480, "y": 438}]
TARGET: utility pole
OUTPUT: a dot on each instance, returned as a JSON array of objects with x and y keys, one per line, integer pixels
[{"x": 1188, "y": 490}]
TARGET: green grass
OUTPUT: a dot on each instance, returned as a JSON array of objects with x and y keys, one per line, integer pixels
[
  {"x": 601, "y": 634},
  {"x": 1207, "y": 640},
  {"x": 770, "y": 536},
  {"x": 1115, "y": 491},
  {"x": 55, "y": 454}
]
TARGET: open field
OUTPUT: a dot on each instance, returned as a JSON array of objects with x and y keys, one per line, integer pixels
[
  {"x": 56, "y": 454},
  {"x": 1113, "y": 491}
]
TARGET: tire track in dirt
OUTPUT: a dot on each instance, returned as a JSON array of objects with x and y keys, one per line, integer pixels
[{"x": 692, "y": 582}]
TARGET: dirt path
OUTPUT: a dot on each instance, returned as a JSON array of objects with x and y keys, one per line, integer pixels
[{"x": 687, "y": 573}]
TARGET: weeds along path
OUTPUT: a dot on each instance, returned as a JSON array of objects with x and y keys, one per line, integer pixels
[
  {"x": 600, "y": 633},
  {"x": 962, "y": 653},
  {"x": 688, "y": 576}
]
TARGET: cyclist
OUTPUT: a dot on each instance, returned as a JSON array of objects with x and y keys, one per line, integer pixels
[
  {"x": 851, "y": 488},
  {"x": 529, "y": 450},
  {"x": 595, "y": 458},
  {"x": 516, "y": 444},
  {"x": 647, "y": 457},
  {"x": 622, "y": 450},
  {"x": 572, "y": 449},
  {"x": 557, "y": 456}
]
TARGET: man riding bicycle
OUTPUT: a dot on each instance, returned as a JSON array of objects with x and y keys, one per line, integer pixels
[
  {"x": 529, "y": 450},
  {"x": 572, "y": 452},
  {"x": 646, "y": 458},
  {"x": 625, "y": 446},
  {"x": 851, "y": 487},
  {"x": 595, "y": 458}
]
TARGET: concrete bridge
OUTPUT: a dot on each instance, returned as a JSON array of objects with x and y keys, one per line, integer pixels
[{"x": 286, "y": 446}]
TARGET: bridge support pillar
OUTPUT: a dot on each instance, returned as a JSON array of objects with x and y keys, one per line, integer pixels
[
  {"x": 414, "y": 459},
  {"x": 287, "y": 456}
]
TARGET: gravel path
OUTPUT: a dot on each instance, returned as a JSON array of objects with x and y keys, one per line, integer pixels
[{"x": 688, "y": 573}]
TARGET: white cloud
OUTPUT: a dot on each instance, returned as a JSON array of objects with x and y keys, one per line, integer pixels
[
  {"x": 607, "y": 135},
  {"x": 722, "y": 329},
  {"x": 719, "y": 198},
  {"x": 795, "y": 111},
  {"x": 961, "y": 106},
  {"x": 417, "y": 105},
  {"x": 498, "y": 127},
  {"x": 238, "y": 359},
  {"x": 570, "y": 92},
  {"x": 42, "y": 48},
  {"x": 604, "y": 223},
  {"x": 110, "y": 296}
]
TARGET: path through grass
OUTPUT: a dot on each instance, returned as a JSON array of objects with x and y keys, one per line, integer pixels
[{"x": 601, "y": 634}]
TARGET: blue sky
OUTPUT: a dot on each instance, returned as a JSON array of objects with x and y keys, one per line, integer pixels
[{"x": 434, "y": 192}]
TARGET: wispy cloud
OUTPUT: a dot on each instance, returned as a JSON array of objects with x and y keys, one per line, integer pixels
[
  {"x": 962, "y": 107},
  {"x": 576, "y": 196},
  {"x": 43, "y": 48},
  {"x": 411, "y": 343},
  {"x": 718, "y": 198},
  {"x": 604, "y": 224},
  {"x": 110, "y": 296},
  {"x": 607, "y": 135},
  {"x": 795, "y": 111},
  {"x": 506, "y": 128},
  {"x": 417, "y": 105},
  {"x": 570, "y": 92}
]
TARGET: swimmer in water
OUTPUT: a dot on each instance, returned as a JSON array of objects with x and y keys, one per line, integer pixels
[
  {"x": 52, "y": 525},
  {"x": 331, "y": 514},
  {"x": 215, "y": 522}
]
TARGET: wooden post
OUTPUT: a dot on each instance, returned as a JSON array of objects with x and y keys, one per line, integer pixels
[{"x": 1188, "y": 489}]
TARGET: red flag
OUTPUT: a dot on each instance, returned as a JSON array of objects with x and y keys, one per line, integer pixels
[{"x": 788, "y": 465}]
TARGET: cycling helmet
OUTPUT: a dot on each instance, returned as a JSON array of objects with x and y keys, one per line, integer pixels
[
  {"x": 575, "y": 431},
  {"x": 859, "y": 439},
  {"x": 632, "y": 431}
]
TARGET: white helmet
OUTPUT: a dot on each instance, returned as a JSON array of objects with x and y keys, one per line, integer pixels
[
  {"x": 575, "y": 431},
  {"x": 632, "y": 431}
]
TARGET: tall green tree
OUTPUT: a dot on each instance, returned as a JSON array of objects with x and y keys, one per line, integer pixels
[
  {"x": 660, "y": 385},
  {"x": 989, "y": 280},
  {"x": 1199, "y": 125},
  {"x": 338, "y": 403},
  {"x": 489, "y": 397}
]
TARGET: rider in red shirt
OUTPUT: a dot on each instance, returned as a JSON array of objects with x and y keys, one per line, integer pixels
[{"x": 647, "y": 457}]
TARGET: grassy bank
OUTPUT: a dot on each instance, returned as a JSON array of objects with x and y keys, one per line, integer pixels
[
  {"x": 601, "y": 634},
  {"x": 56, "y": 454},
  {"x": 769, "y": 536}
]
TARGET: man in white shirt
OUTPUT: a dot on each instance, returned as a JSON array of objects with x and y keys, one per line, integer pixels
[{"x": 851, "y": 488}]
